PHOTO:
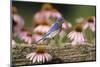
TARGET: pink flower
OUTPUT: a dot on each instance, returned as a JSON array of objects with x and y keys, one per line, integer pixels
[
  {"x": 40, "y": 18},
  {"x": 46, "y": 13},
  {"x": 62, "y": 33},
  {"x": 77, "y": 36},
  {"x": 37, "y": 37},
  {"x": 26, "y": 36},
  {"x": 56, "y": 14},
  {"x": 89, "y": 23},
  {"x": 41, "y": 29},
  {"x": 66, "y": 25},
  {"x": 18, "y": 22},
  {"x": 40, "y": 56}
]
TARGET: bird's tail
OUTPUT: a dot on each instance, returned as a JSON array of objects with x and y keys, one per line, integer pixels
[{"x": 42, "y": 39}]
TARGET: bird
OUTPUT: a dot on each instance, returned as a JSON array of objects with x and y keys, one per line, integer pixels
[{"x": 54, "y": 29}]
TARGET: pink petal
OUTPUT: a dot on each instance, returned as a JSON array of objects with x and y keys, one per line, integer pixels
[
  {"x": 30, "y": 41},
  {"x": 86, "y": 25},
  {"x": 32, "y": 56},
  {"x": 76, "y": 36},
  {"x": 92, "y": 27},
  {"x": 73, "y": 35},
  {"x": 79, "y": 37},
  {"x": 70, "y": 34},
  {"x": 49, "y": 56},
  {"x": 46, "y": 57},
  {"x": 43, "y": 58},
  {"x": 26, "y": 39},
  {"x": 28, "y": 56},
  {"x": 38, "y": 58},
  {"x": 35, "y": 59},
  {"x": 82, "y": 38}
]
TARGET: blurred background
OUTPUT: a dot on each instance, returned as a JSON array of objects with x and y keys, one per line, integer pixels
[{"x": 69, "y": 11}]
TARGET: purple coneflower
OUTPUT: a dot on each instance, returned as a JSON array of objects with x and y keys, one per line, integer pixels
[
  {"x": 39, "y": 31},
  {"x": 65, "y": 25},
  {"x": 18, "y": 21},
  {"x": 56, "y": 13},
  {"x": 40, "y": 18},
  {"x": 89, "y": 23},
  {"x": 37, "y": 37},
  {"x": 77, "y": 36},
  {"x": 26, "y": 36},
  {"x": 41, "y": 28},
  {"x": 40, "y": 56}
]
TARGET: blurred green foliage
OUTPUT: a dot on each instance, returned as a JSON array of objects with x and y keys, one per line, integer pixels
[{"x": 69, "y": 11}]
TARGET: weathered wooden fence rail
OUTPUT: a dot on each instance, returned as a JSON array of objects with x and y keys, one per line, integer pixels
[{"x": 65, "y": 54}]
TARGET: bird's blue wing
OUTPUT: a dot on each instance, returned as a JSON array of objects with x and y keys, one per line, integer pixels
[{"x": 54, "y": 27}]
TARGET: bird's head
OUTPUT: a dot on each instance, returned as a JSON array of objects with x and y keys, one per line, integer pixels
[{"x": 60, "y": 20}]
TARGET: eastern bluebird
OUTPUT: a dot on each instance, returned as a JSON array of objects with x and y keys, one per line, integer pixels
[{"x": 54, "y": 30}]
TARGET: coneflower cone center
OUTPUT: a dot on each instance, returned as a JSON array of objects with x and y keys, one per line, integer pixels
[
  {"x": 40, "y": 50},
  {"x": 23, "y": 29},
  {"x": 39, "y": 33},
  {"x": 29, "y": 34},
  {"x": 78, "y": 28},
  {"x": 14, "y": 23},
  {"x": 44, "y": 23},
  {"x": 90, "y": 20}
]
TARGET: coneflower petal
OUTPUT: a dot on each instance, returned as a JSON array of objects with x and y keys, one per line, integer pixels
[
  {"x": 82, "y": 37},
  {"x": 43, "y": 58},
  {"x": 33, "y": 54},
  {"x": 28, "y": 56},
  {"x": 30, "y": 41},
  {"x": 70, "y": 34},
  {"x": 26, "y": 39},
  {"x": 38, "y": 58},
  {"x": 46, "y": 57},
  {"x": 79, "y": 37},
  {"x": 31, "y": 57},
  {"x": 76, "y": 36},
  {"x": 92, "y": 27},
  {"x": 85, "y": 26},
  {"x": 73, "y": 35},
  {"x": 35, "y": 59},
  {"x": 49, "y": 56}
]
